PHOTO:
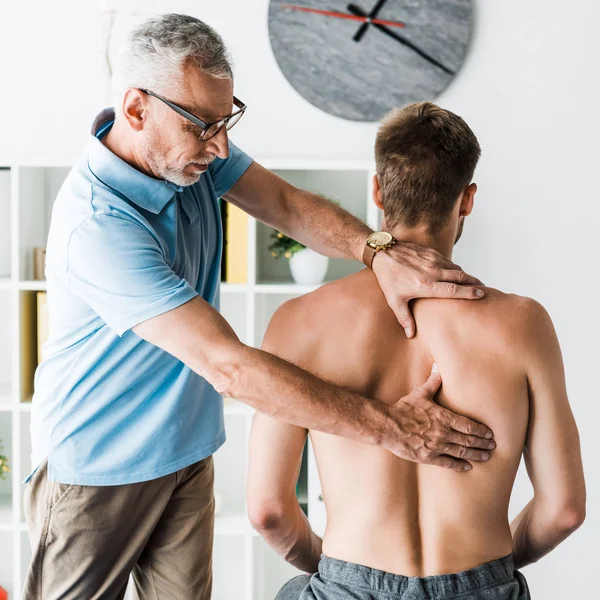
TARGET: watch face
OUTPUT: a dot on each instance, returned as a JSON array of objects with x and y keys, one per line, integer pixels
[
  {"x": 379, "y": 238},
  {"x": 359, "y": 59}
]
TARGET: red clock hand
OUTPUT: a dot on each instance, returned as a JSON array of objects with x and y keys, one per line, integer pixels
[
  {"x": 359, "y": 12},
  {"x": 339, "y": 15}
]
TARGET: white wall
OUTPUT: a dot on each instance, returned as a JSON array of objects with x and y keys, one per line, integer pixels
[{"x": 528, "y": 89}]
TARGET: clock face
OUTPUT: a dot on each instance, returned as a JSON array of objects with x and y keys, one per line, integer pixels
[
  {"x": 357, "y": 60},
  {"x": 380, "y": 238}
]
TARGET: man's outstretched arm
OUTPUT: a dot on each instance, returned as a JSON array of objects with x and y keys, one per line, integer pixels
[
  {"x": 273, "y": 508},
  {"x": 404, "y": 272},
  {"x": 415, "y": 428},
  {"x": 552, "y": 453},
  {"x": 275, "y": 457}
]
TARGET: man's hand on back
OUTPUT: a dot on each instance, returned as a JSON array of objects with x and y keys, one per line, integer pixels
[
  {"x": 422, "y": 431},
  {"x": 407, "y": 271},
  {"x": 415, "y": 428}
]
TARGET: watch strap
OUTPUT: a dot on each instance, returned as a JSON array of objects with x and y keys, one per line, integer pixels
[{"x": 368, "y": 255}]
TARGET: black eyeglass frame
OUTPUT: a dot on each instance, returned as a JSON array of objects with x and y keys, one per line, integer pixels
[{"x": 203, "y": 125}]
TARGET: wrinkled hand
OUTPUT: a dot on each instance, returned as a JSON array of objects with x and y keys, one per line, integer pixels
[
  {"x": 422, "y": 431},
  {"x": 407, "y": 271}
]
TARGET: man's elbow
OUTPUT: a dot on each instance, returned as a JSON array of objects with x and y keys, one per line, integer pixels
[
  {"x": 226, "y": 372},
  {"x": 568, "y": 516},
  {"x": 572, "y": 517},
  {"x": 266, "y": 515}
]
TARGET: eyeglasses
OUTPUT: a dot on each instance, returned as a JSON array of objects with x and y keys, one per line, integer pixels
[{"x": 209, "y": 130}]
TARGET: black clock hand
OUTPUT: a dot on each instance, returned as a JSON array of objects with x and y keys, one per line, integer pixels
[
  {"x": 359, "y": 12},
  {"x": 372, "y": 15}
]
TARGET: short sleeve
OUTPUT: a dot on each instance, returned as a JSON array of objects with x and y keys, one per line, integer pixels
[
  {"x": 226, "y": 171},
  {"x": 117, "y": 267}
]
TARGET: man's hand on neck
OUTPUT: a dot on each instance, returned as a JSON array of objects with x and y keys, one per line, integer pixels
[{"x": 408, "y": 271}]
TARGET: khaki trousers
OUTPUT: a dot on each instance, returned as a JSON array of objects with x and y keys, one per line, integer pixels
[{"x": 87, "y": 540}]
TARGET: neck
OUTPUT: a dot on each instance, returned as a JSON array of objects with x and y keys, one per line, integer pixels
[
  {"x": 442, "y": 241},
  {"x": 116, "y": 140}
]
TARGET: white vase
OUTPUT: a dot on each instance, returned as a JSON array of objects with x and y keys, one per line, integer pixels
[{"x": 308, "y": 267}]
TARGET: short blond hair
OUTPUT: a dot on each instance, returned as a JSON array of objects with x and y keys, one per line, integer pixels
[{"x": 425, "y": 157}]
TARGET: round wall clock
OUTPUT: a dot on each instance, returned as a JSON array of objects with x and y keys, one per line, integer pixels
[{"x": 357, "y": 60}]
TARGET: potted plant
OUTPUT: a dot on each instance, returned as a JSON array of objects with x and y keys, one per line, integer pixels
[
  {"x": 307, "y": 266},
  {"x": 4, "y": 469}
]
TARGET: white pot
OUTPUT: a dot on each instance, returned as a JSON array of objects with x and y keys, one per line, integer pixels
[{"x": 308, "y": 267}]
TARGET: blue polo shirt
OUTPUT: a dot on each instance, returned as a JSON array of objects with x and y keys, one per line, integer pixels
[{"x": 110, "y": 408}]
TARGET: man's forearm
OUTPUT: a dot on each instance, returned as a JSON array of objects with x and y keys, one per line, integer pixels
[
  {"x": 291, "y": 536},
  {"x": 522, "y": 552},
  {"x": 535, "y": 535},
  {"x": 323, "y": 226},
  {"x": 283, "y": 391}
]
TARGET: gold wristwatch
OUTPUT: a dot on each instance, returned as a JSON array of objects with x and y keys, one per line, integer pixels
[{"x": 376, "y": 242}]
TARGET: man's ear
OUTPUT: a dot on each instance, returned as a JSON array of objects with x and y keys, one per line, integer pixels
[
  {"x": 467, "y": 200},
  {"x": 377, "y": 192},
  {"x": 134, "y": 108}
]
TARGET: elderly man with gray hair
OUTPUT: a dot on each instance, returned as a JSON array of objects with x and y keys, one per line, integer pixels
[{"x": 127, "y": 409}]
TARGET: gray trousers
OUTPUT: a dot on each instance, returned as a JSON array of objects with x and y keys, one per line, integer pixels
[
  {"x": 339, "y": 580},
  {"x": 87, "y": 540}
]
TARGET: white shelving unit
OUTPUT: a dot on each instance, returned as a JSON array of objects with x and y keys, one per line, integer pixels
[{"x": 244, "y": 567}]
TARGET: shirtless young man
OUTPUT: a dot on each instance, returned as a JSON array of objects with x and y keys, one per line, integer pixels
[{"x": 396, "y": 529}]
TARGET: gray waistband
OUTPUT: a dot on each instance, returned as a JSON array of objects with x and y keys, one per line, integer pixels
[{"x": 350, "y": 574}]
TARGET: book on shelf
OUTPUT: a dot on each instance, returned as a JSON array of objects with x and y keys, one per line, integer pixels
[
  {"x": 235, "y": 252},
  {"x": 28, "y": 334},
  {"x": 42, "y": 323},
  {"x": 39, "y": 264}
]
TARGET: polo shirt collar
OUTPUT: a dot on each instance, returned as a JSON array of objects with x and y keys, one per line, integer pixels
[{"x": 147, "y": 192}]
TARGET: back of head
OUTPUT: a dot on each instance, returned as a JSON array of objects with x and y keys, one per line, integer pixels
[
  {"x": 425, "y": 157},
  {"x": 156, "y": 52}
]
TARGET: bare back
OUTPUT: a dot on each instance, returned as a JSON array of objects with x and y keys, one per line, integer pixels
[{"x": 385, "y": 512}]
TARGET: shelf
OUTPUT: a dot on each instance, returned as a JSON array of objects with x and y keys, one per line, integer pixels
[
  {"x": 33, "y": 285},
  {"x": 283, "y": 164},
  {"x": 6, "y": 489},
  {"x": 6, "y": 509},
  {"x": 233, "y": 288},
  {"x": 247, "y": 307},
  {"x": 283, "y": 287},
  {"x": 286, "y": 288},
  {"x": 233, "y": 408},
  {"x": 5, "y": 394},
  {"x": 232, "y": 520},
  {"x": 8, "y": 577},
  {"x": 37, "y": 189}
]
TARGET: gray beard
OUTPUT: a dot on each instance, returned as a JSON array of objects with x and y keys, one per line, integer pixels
[
  {"x": 177, "y": 177},
  {"x": 167, "y": 172}
]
